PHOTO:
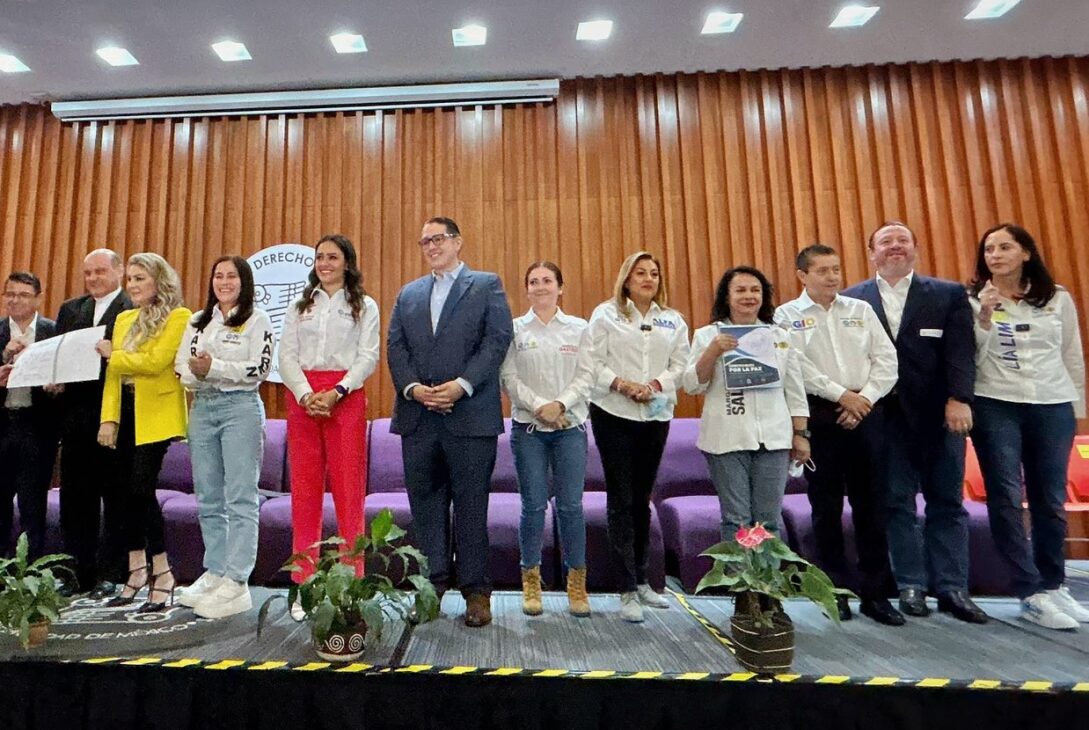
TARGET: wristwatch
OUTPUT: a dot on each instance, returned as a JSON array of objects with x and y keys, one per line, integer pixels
[
  {"x": 341, "y": 390},
  {"x": 803, "y": 432}
]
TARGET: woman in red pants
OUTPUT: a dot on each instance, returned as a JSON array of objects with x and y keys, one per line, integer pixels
[{"x": 328, "y": 348}]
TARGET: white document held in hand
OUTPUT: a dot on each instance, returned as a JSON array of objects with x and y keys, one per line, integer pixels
[{"x": 70, "y": 358}]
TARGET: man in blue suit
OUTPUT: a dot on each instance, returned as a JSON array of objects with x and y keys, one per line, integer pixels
[
  {"x": 448, "y": 335},
  {"x": 928, "y": 415}
]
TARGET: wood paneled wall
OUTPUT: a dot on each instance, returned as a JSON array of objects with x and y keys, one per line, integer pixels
[{"x": 706, "y": 170}]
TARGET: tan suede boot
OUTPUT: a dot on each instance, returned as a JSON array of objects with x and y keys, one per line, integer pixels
[
  {"x": 531, "y": 591},
  {"x": 577, "y": 601}
]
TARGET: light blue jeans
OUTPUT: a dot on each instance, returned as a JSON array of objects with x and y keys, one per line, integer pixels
[
  {"x": 565, "y": 451},
  {"x": 226, "y": 444},
  {"x": 750, "y": 486}
]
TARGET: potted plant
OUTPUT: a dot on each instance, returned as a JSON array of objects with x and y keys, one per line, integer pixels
[
  {"x": 342, "y": 608},
  {"x": 29, "y": 597},
  {"x": 761, "y": 571}
]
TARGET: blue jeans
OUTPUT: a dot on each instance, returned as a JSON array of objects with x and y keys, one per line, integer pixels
[
  {"x": 1008, "y": 436},
  {"x": 750, "y": 487},
  {"x": 565, "y": 451},
  {"x": 932, "y": 462},
  {"x": 226, "y": 444}
]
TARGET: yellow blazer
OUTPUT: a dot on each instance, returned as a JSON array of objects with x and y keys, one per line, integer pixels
[{"x": 160, "y": 399}]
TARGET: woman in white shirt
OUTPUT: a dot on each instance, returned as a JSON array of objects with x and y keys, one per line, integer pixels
[
  {"x": 748, "y": 434},
  {"x": 1030, "y": 385},
  {"x": 548, "y": 375},
  {"x": 225, "y": 354},
  {"x": 329, "y": 346},
  {"x": 640, "y": 346}
]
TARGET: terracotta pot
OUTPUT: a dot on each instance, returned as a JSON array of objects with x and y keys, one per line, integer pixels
[
  {"x": 763, "y": 650},
  {"x": 342, "y": 646},
  {"x": 39, "y": 632}
]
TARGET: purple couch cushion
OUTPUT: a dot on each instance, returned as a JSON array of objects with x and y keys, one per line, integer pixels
[
  {"x": 385, "y": 465},
  {"x": 599, "y": 568},
  {"x": 690, "y": 525},
  {"x": 683, "y": 470},
  {"x": 177, "y": 471},
  {"x": 184, "y": 542},
  {"x": 504, "y": 557},
  {"x": 504, "y": 476}
]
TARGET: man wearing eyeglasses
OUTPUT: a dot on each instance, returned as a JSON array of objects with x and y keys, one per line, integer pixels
[
  {"x": 448, "y": 336},
  {"x": 28, "y": 440}
]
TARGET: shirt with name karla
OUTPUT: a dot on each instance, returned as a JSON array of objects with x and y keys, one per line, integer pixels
[
  {"x": 638, "y": 348},
  {"x": 549, "y": 361},
  {"x": 1031, "y": 354},
  {"x": 326, "y": 336},
  {"x": 241, "y": 356},
  {"x": 746, "y": 419},
  {"x": 840, "y": 348}
]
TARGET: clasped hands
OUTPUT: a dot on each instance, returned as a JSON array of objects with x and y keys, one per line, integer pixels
[
  {"x": 638, "y": 392},
  {"x": 320, "y": 404},
  {"x": 852, "y": 409},
  {"x": 439, "y": 398},
  {"x": 553, "y": 414}
]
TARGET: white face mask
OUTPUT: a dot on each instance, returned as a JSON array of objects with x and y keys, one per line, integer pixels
[{"x": 797, "y": 468}]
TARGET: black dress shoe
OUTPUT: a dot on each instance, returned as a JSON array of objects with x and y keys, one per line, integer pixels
[
  {"x": 881, "y": 611},
  {"x": 103, "y": 589},
  {"x": 913, "y": 602},
  {"x": 68, "y": 589},
  {"x": 844, "y": 608},
  {"x": 961, "y": 606}
]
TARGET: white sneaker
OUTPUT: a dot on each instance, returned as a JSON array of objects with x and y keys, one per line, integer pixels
[
  {"x": 630, "y": 608},
  {"x": 649, "y": 597},
  {"x": 227, "y": 600},
  {"x": 297, "y": 612},
  {"x": 1065, "y": 602},
  {"x": 1040, "y": 610},
  {"x": 203, "y": 587}
]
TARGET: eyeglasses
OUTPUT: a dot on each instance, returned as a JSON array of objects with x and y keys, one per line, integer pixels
[
  {"x": 22, "y": 296},
  {"x": 436, "y": 239}
]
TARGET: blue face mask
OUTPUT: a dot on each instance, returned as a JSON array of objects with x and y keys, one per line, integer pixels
[{"x": 657, "y": 404}]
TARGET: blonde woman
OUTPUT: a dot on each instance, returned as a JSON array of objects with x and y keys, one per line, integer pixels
[
  {"x": 640, "y": 348},
  {"x": 143, "y": 410}
]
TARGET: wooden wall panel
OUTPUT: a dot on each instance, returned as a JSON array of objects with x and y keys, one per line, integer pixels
[{"x": 705, "y": 170}]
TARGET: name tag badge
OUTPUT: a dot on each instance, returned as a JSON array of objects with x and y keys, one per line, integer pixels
[
  {"x": 931, "y": 333},
  {"x": 1021, "y": 328}
]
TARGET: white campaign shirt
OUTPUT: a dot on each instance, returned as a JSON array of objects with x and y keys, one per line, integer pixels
[
  {"x": 21, "y": 397},
  {"x": 101, "y": 305},
  {"x": 743, "y": 420},
  {"x": 549, "y": 362},
  {"x": 326, "y": 337},
  {"x": 639, "y": 349},
  {"x": 1031, "y": 354},
  {"x": 840, "y": 348},
  {"x": 893, "y": 299},
  {"x": 241, "y": 356}
]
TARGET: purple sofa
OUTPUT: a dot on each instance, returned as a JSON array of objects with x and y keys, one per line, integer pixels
[{"x": 684, "y": 515}]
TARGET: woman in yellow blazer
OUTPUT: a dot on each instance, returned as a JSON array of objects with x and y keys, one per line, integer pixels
[{"x": 143, "y": 410}]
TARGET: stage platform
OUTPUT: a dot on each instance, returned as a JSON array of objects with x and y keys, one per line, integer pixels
[{"x": 108, "y": 668}]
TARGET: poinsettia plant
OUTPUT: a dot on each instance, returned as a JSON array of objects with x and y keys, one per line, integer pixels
[{"x": 763, "y": 572}]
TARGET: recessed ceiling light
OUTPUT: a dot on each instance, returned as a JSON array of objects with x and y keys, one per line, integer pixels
[
  {"x": 11, "y": 65},
  {"x": 853, "y": 16},
  {"x": 594, "y": 30},
  {"x": 990, "y": 9},
  {"x": 348, "y": 43},
  {"x": 470, "y": 35},
  {"x": 721, "y": 23},
  {"x": 117, "y": 56},
  {"x": 231, "y": 51}
]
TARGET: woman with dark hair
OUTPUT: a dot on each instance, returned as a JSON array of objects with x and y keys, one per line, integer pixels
[
  {"x": 548, "y": 375},
  {"x": 224, "y": 357},
  {"x": 329, "y": 346},
  {"x": 1030, "y": 386},
  {"x": 748, "y": 431},
  {"x": 143, "y": 410},
  {"x": 640, "y": 345}
]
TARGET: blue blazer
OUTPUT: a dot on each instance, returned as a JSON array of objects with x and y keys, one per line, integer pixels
[
  {"x": 470, "y": 342},
  {"x": 935, "y": 346}
]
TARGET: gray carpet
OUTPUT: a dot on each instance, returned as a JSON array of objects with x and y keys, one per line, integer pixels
[{"x": 670, "y": 640}]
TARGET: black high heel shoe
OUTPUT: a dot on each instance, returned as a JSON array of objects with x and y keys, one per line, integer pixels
[
  {"x": 121, "y": 599},
  {"x": 156, "y": 606}
]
